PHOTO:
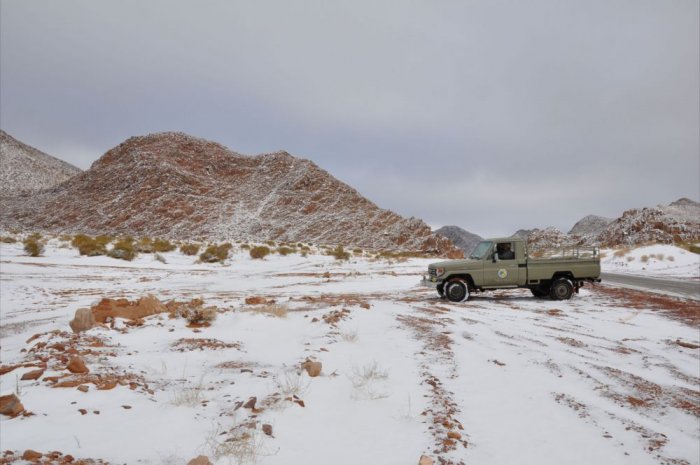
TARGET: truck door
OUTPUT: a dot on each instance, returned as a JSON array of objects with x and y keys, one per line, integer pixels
[{"x": 504, "y": 271}]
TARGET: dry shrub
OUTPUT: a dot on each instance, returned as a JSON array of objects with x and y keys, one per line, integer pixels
[
  {"x": 630, "y": 259},
  {"x": 124, "y": 249},
  {"x": 660, "y": 256},
  {"x": 33, "y": 246},
  {"x": 671, "y": 258},
  {"x": 8, "y": 240},
  {"x": 367, "y": 381},
  {"x": 286, "y": 250},
  {"x": 144, "y": 245},
  {"x": 279, "y": 311},
  {"x": 358, "y": 251},
  {"x": 90, "y": 246},
  {"x": 216, "y": 253},
  {"x": 271, "y": 243},
  {"x": 162, "y": 245},
  {"x": 644, "y": 258},
  {"x": 245, "y": 247},
  {"x": 339, "y": 253},
  {"x": 621, "y": 252},
  {"x": 291, "y": 383},
  {"x": 190, "y": 249},
  {"x": 198, "y": 316},
  {"x": 259, "y": 252}
]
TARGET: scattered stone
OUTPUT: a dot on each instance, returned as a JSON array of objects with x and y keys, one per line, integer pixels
[
  {"x": 82, "y": 411},
  {"x": 126, "y": 407},
  {"x": 314, "y": 320},
  {"x": 425, "y": 460},
  {"x": 364, "y": 305},
  {"x": 251, "y": 403},
  {"x": 454, "y": 435},
  {"x": 10, "y": 405},
  {"x": 200, "y": 460},
  {"x": 267, "y": 429},
  {"x": 31, "y": 455},
  {"x": 300, "y": 402},
  {"x": 77, "y": 365},
  {"x": 32, "y": 375},
  {"x": 312, "y": 368},
  {"x": 83, "y": 388},
  {"x": 687, "y": 345},
  {"x": 84, "y": 319},
  {"x": 257, "y": 300}
]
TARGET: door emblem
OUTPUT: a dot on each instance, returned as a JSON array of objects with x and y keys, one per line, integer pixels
[{"x": 502, "y": 273}]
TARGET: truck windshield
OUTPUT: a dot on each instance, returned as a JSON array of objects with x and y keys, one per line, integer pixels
[{"x": 481, "y": 249}]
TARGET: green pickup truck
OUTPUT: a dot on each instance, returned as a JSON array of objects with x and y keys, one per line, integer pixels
[{"x": 504, "y": 263}]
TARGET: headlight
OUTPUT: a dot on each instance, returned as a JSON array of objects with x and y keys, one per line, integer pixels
[{"x": 439, "y": 271}]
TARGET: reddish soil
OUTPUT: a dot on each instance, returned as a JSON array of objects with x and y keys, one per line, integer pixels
[{"x": 687, "y": 311}]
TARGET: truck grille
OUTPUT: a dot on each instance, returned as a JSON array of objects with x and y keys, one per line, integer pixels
[{"x": 432, "y": 272}]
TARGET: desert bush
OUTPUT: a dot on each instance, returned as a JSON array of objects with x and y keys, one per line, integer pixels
[
  {"x": 644, "y": 258},
  {"x": 286, "y": 250},
  {"x": 124, "y": 249},
  {"x": 271, "y": 243},
  {"x": 145, "y": 245},
  {"x": 163, "y": 245},
  {"x": 259, "y": 252},
  {"x": 660, "y": 256},
  {"x": 339, "y": 253},
  {"x": 216, "y": 253},
  {"x": 621, "y": 252},
  {"x": 90, "y": 246},
  {"x": 358, "y": 251},
  {"x": 197, "y": 314},
  {"x": 238, "y": 445},
  {"x": 630, "y": 259},
  {"x": 279, "y": 311},
  {"x": 189, "y": 396},
  {"x": 8, "y": 240},
  {"x": 103, "y": 239},
  {"x": 245, "y": 247},
  {"x": 33, "y": 246},
  {"x": 190, "y": 249},
  {"x": 291, "y": 383},
  {"x": 365, "y": 380}
]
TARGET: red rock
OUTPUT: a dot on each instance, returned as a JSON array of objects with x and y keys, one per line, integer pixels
[
  {"x": 200, "y": 460},
  {"x": 10, "y": 405},
  {"x": 83, "y": 388},
  {"x": 83, "y": 320},
  {"x": 454, "y": 435},
  {"x": 77, "y": 365},
  {"x": 82, "y": 411},
  {"x": 312, "y": 368},
  {"x": 32, "y": 375},
  {"x": 267, "y": 429},
  {"x": 425, "y": 460},
  {"x": 31, "y": 455},
  {"x": 251, "y": 403}
]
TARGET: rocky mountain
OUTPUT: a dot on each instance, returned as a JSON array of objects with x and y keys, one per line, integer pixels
[
  {"x": 177, "y": 186},
  {"x": 550, "y": 237},
  {"x": 676, "y": 222},
  {"x": 590, "y": 226},
  {"x": 24, "y": 169},
  {"x": 461, "y": 238}
]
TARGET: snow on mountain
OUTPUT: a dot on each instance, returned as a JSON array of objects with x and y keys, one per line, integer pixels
[
  {"x": 461, "y": 238},
  {"x": 178, "y": 186},
  {"x": 25, "y": 169},
  {"x": 590, "y": 226},
  {"x": 676, "y": 222}
]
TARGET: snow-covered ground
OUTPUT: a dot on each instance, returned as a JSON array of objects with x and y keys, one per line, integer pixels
[
  {"x": 504, "y": 378},
  {"x": 659, "y": 260}
]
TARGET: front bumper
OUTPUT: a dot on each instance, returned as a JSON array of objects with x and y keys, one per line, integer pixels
[{"x": 430, "y": 282}]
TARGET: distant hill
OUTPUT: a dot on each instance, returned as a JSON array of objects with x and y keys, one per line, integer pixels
[
  {"x": 461, "y": 238},
  {"x": 177, "y": 186},
  {"x": 24, "y": 169},
  {"x": 590, "y": 226}
]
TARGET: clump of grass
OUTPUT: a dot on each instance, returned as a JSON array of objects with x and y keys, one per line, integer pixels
[
  {"x": 145, "y": 245},
  {"x": 286, "y": 250},
  {"x": 644, "y": 258},
  {"x": 271, "y": 243},
  {"x": 259, "y": 252},
  {"x": 90, "y": 246},
  {"x": 365, "y": 380},
  {"x": 358, "y": 251},
  {"x": 630, "y": 259},
  {"x": 33, "y": 246},
  {"x": 216, "y": 253},
  {"x": 279, "y": 311},
  {"x": 124, "y": 249},
  {"x": 621, "y": 252},
  {"x": 162, "y": 245},
  {"x": 8, "y": 240},
  {"x": 339, "y": 253},
  {"x": 660, "y": 256},
  {"x": 190, "y": 249},
  {"x": 245, "y": 247},
  {"x": 197, "y": 315},
  {"x": 291, "y": 383}
]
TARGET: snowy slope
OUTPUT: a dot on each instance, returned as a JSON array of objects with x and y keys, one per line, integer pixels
[
  {"x": 503, "y": 378},
  {"x": 653, "y": 260}
]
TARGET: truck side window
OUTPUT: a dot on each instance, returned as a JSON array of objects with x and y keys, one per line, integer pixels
[{"x": 505, "y": 251}]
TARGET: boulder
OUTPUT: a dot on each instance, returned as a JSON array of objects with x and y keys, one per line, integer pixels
[
  {"x": 312, "y": 368},
  {"x": 77, "y": 365},
  {"x": 251, "y": 403},
  {"x": 10, "y": 405},
  {"x": 200, "y": 460},
  {"x": 425, "y": 460},
  {"x": 32, "y": 375},
  {"x": 84, "y": 319},
  {"x": 267, "y": 429},
  {"x": 31, "y": 455}
]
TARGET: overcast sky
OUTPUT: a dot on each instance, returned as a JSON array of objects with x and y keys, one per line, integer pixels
[{"x": 491, "y": 115}]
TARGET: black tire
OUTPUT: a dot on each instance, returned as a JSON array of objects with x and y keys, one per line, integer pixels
[
  {"x": 540, "y": 292},
  {"x": 441, "y": 290},
  {"x": 562, "y": 289},
  {"x": 457, "y": 291}
]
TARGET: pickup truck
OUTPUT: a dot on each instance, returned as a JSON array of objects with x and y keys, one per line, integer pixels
[{"x": 504, "y": 263}]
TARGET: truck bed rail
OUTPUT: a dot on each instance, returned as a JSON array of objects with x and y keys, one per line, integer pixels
[{"x": 574, "y": 252}]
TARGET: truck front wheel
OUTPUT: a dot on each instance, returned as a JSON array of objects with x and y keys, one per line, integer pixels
[
  {"x": 562, "y": 289},
  {"x": 441, "y": 290},
  {"x": 457, "y": 291}
]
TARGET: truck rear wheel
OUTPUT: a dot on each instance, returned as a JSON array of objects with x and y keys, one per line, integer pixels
[
  {"x": 457, "y": 291},
  {"x": 562, "y": 289}
]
